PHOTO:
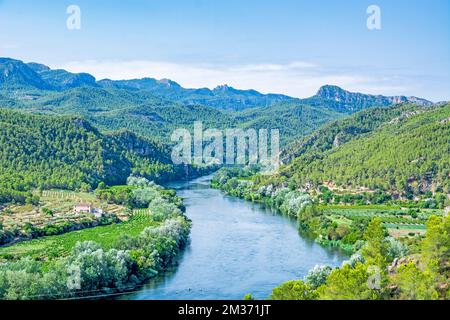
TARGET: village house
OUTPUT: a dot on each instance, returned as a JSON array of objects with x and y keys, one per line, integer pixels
[
  {"x": 87, "y": 208},
  {"x": 98, "y": 213},
  {"x": 82, "y": 208}
]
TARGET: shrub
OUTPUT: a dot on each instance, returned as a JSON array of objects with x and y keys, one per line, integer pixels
[{"x": 318, "y": 276}]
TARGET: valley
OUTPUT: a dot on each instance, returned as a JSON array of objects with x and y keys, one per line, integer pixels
[{"x": 364, "y": 183}]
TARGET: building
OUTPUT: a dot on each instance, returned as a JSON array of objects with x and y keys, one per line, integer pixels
[
  {"x": 98, "y": 213},
  {"x": 87, "y": 208},
  {"x": 82, "y": 208}
]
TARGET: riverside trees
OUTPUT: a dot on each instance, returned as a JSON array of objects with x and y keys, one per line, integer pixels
[{"x": 422, "y": 277}]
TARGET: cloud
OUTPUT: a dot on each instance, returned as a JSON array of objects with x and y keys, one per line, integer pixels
[{"x": 297, "y": 78}]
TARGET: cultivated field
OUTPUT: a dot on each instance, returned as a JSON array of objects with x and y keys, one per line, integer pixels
[
  {"x": 56, "y": 246},
  {"x": 399, "y": 222},
  {"x": 55, "y": 214}
]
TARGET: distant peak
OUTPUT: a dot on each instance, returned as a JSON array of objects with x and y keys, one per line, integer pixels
[
  {"x": 5, "y": 60},
  {"x": 222, "y": 87},
  {"x": 354, "y": 101},
  {"x": 168, "y": 83},
  {"x": 327, "y": 89}
]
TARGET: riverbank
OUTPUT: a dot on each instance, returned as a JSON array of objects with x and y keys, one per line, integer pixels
[
  {"x": 404, "y": 267},
  {"x": 98, "y": 261},
  {"x": 334, "y": 224},
  {"x": 236, "y": 247},
  {"x": 296, "y": 204}
]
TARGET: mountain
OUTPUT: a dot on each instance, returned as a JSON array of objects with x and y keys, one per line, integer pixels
[
  {"x": 15, "y": 74},
  {"x": 62, "y": 79},
  {"x": 350, "y": 102},
  {"x": 293, "y": 119},
  {"x": 222, "y": 97},
  {"x": 338, "y": 132},
  {"x": 401, "y": 149},
  {"x": 145, "y": 84}
]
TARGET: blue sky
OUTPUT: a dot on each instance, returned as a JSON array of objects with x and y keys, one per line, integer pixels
[{"x": 290, "y": 47}]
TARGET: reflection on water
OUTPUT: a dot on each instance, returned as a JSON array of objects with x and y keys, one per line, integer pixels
[{"x": 236, "y": 247}]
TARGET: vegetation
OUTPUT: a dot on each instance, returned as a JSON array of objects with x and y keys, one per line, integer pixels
[
  {"x": 43, "y": 152},
  {"x": 405, "y": 156},
  {"x": 375, "y": 183},
  {"x": 154, "y": 108},
  {"x": 54, "y": 214},
  {"x": 373, "y": 274},
  {"x": 394, "y": 260},
  {"x": 331, "y": 225},
  {"x": 51, "y": 247},
  {"x": 97, "y": 261}
]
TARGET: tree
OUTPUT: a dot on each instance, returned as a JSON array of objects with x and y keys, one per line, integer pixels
[
  {"x": 347, "y": 283},
  {"x": 414, "y": 284},
  {"x": 294, "y": 290},
  {"x": 101, "y": 186},
  {"x": 375, "y": 250},
  {"x": 395, "y": 249},
  {"x": 436, "y": 245}
]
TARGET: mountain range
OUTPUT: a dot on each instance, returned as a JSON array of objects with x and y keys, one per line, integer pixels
[
  {"x": 16, "y": 75},
  {"x": 154, "y": 108}
]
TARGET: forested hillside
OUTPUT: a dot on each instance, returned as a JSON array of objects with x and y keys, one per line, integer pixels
[
  {"x": 403, "y": 149},
  {"x": 293, "y": 119},
  {"x": 69, "y": 153},
  {"x": 340, "y": 131}
]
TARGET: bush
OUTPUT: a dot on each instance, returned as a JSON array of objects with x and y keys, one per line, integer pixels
[
  {"x": 318, "y": 276},
  {"x": 396, "y": 249}
]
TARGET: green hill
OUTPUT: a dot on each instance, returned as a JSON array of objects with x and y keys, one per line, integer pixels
[
  {"x": 403, "y": 149},
  {"x": 38, "y": 151}
]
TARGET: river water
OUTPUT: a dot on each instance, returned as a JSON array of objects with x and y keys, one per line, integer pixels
[{"x": 236, "y": 247}]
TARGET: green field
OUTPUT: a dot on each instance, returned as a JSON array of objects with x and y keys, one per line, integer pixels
[
  {"x": 61, "y": 245},
  {"x": 398, "y": 221}
]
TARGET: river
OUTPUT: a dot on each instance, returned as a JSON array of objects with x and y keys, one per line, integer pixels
[{"x": 236, "y": 247}]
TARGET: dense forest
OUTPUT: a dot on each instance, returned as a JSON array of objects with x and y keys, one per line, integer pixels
[
  {"x": 403, "y": 150},
  {"x": 48, "y": 152}
]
